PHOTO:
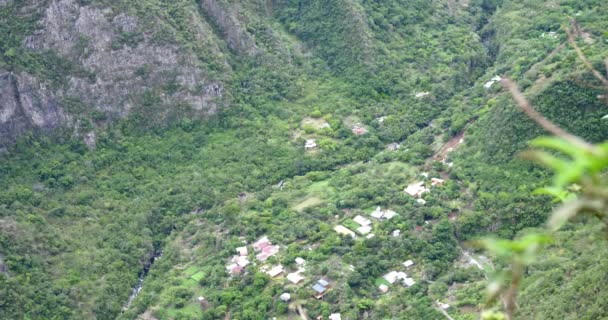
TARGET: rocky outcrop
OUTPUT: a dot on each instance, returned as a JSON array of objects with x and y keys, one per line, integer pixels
[
  {"x": 118, "y": 62},
  {"x": 26, "y": 103},
  {"x": 227, "y": 21}
]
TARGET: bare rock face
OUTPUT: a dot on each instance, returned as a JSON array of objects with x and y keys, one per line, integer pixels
[
  {"x": 114, "y": 73},
  {"x": 26, "y": 103},
  {"x": 227, "y": 20}
]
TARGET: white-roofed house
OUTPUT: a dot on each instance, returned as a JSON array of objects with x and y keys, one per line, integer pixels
[
  {"x": 416, "y": 189},
  {"x": 344, "y": 230},
  {"x": 294, "y": 277},
  {"x": 409, "y": 282},
  {"x": 362, "y": 221},
  {"x": 275, "y": 271},
  {"x": 378, "y": 213},
  {"x": 285, "y": 297},
  {"x": 310, "y": 144},
  {"x": 364, "y": 230},
  {"x": 408, "y": 263},
  {"x": 300, "y": 261},
  {"x": 335, "y": 316},
  {"x": 242, "y": 251}
]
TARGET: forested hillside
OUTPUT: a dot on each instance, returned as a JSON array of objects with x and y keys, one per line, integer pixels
[{"x": 149, "y": 148}]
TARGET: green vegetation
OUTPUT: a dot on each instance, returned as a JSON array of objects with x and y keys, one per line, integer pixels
[{"x": 78, "y": 226}]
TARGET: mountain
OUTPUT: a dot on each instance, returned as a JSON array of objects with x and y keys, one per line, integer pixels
[{"x": 142, "y": 142}]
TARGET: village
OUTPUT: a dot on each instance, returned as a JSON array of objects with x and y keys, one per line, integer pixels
[{"x": 294, "y": 271}]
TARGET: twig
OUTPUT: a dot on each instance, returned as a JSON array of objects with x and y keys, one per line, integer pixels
[
  {"x": 581, "y": 56},
  {"x": 516, "y": 271},
  {"x": 546, "y": 124}
]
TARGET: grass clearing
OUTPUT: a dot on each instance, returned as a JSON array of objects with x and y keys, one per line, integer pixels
[{"x": 308, "y": 202}]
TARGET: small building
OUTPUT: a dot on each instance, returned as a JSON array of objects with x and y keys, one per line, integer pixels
[
  {"x": 442, "y": 305},
  {"x": 393, "y": 146},
  {"x": 383, "y": 288},
  {"x": 437, "y": 182},
  {"x": 275, "y": 271},
  {"x": 490, "y": 83},
  {"x": 310, "y": 144},
  {"x": 321, "y": 288},
  {"x": 421, "y": 201},
  {"x": 344, "y": 230},
  {"x": 261, "y": 243},
  {"x": 242, "y": 251},
  {"x": 364, "y": 230},
  {"x": 408, "y": 263},
  {"x": 335, "y": 316},
  {"x": 294, "y": 277},
  {"x": 300, "y": 261},
  {"x": 393, "y": 276},
  {"x": 396, "y": 233},
  {"x": 389, "y": 214},
  {"x": 359, "y": 129},
  {"x": 383, "y": 214},
  {"x": 409, "y": 282},
  {"x": 416, "y": 189},
  {"x": 378, "y": 213},
  {"x": 240, "y": 260},
  {"x": 420, "y": 95},
  {"x": 285, "y": 297},
  {"x": 235, "y": 269},
  {"x": 362, "y": 221}
]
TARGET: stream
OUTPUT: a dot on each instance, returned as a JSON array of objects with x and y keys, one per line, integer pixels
[{"x": 142, "y": 276}]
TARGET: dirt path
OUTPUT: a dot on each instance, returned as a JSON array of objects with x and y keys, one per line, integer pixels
[{"x": 451, "y": 145}]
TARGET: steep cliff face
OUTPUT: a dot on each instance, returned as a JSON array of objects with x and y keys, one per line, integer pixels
[{"x": 120, "y": 65}]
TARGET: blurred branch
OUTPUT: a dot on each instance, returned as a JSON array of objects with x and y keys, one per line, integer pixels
[
  {"x": 581, "y": 56},
  {"x": 527, "y": 108}
]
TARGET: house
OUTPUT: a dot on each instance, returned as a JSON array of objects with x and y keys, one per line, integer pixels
[
  {"x": 235, "y": 269},
  {"x": 242, "y": 251},
  {"x": 437, "y": 181},
  {"x": 344, "y": 230},
  {"x": 393, "y": 276},
  {"x": 490, "y": 83},
  {"x": 408, "y": 263},
  {"x": 294, "y": 277},
  {"x": 321, "y": 288},
  {"x": 364, "y": 230},
  {"x": 310, "y": 144},
  {"x": 362, "y": 221},
  {"x": 383, "y": 214},
  {"x": 285, "y": 297},
  {"x": 442, "y": 305},
  {"x": 419, "y": 95},
  {"x": 300, "y": 261},
  {"x": 261, "y": 243},
  {"x": 383, "y": 288},
  {"x": 393, "y": 146},
  {"x": 409, "y": 282},
  {"x": 378, "y": 213},
  {"x": 359, "y": 129},
  {"x": 396, "y": 233},
  {"x": 275, "y": 271},
  {"x": 265, "y": 249},
  {"x": 416, "y": 189},
  {"x": 240, "y": 260},
  {"x": 335, "y": 316},
  {"x": 388, "y": 214}
]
